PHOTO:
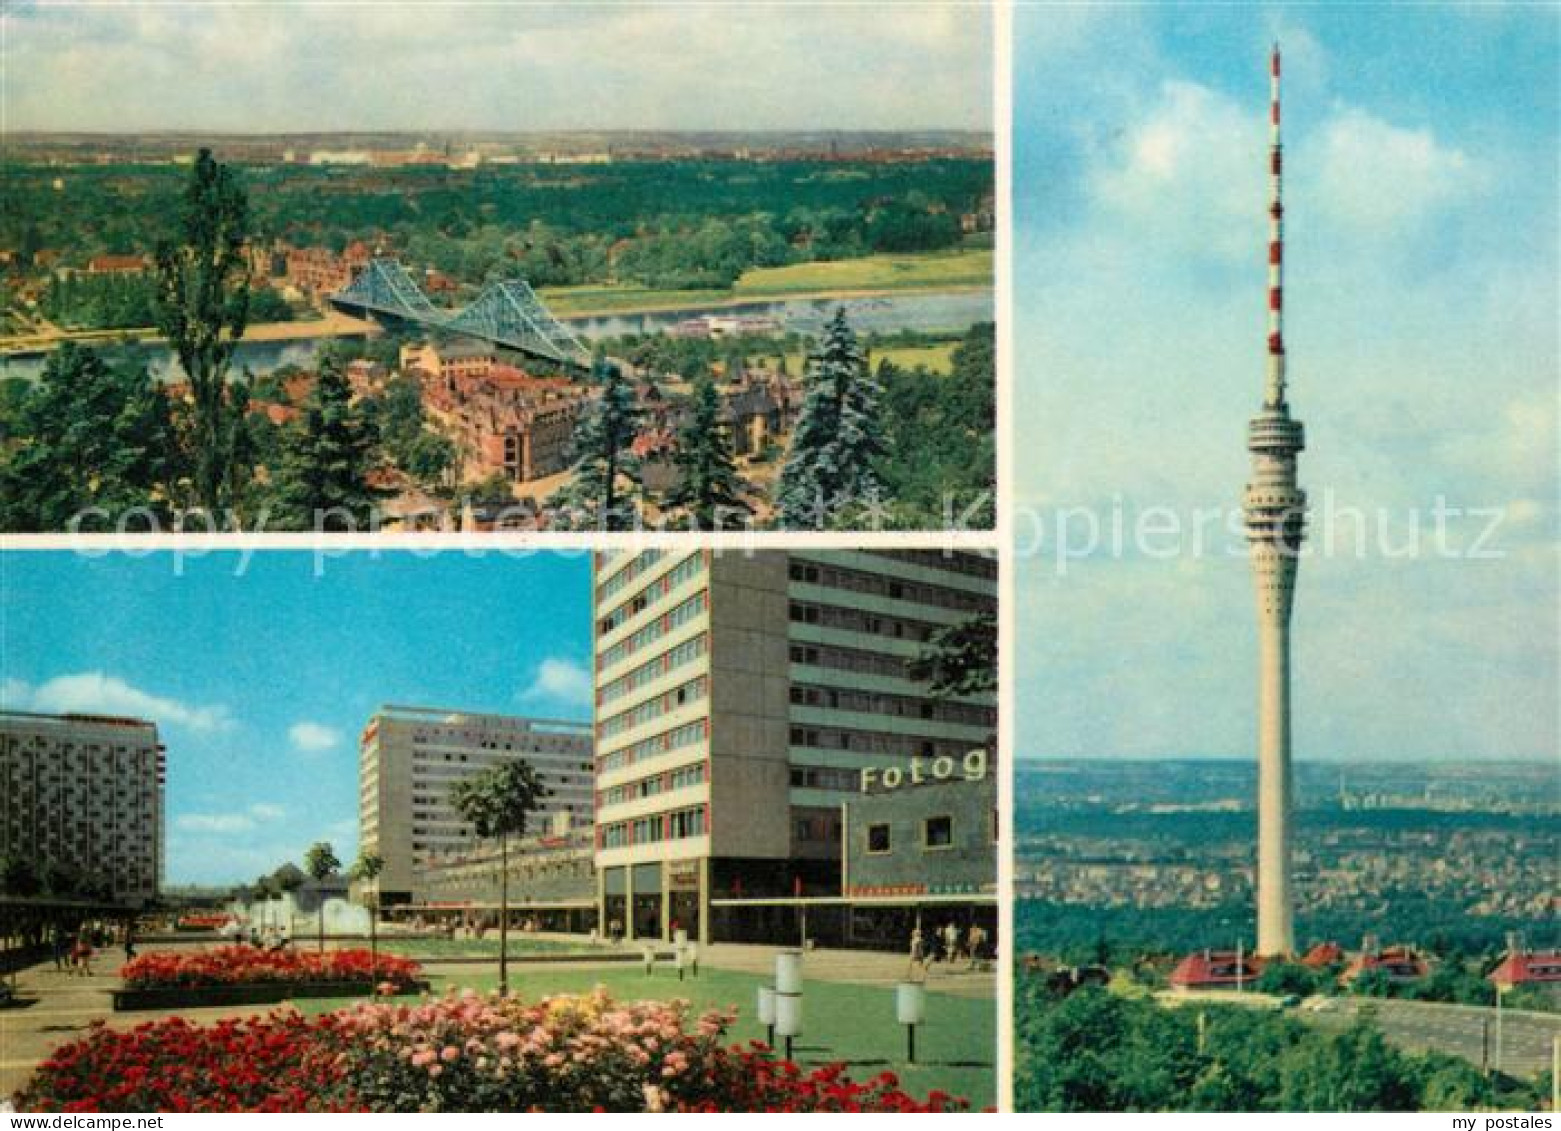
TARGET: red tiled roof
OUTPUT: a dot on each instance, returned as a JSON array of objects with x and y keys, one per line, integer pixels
[
  {"x": 1323, "y": 954},
  {"x": 1216, "y": 968},
  {"x": 1524, "y": 969}
]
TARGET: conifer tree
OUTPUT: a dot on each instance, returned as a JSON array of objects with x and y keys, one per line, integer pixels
[
  {"x": 709, "y": 490},
  {"x": 202, "y": 305},
  {"x": 326, "y": 458},
  {"x": 839, "y": 434},
  {"x": 86, "y": 435},
  {"x": 605, "y": 469}
]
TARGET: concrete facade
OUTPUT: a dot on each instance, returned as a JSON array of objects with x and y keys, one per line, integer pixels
[
  {"x": 740, "y": 698},
  {"x": 1276, "y": 526},
  {"x": 409, "y": 757},
  {"x": 85, "y": 792}
]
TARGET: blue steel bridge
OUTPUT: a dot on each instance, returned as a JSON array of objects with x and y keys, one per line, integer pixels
[{"x": 508, "y": 313}]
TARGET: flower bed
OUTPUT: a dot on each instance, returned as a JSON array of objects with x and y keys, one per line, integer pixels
[
  {"x": 247, "y": 965},
  {"x": 242, "y": 975},
  {"x": 466, "y": 1053}
]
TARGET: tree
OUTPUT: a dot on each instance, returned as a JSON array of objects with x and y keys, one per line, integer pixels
[
  {"x": 366, "y": 870},
  {"x": 959, "y": 659},
  {"x": 321, "y": 862},
  {"x": 19, "y": 876},
  {"x": 327, "y": 454},
  {"x": 839, "y": 434},
  {"x": 604, "y": 465},
  {"x": 496, "y": 803},
  {"x": 709, "y": 490},
  {"x": 202, "y": 306},
  {"x": 87, "y": 435}
]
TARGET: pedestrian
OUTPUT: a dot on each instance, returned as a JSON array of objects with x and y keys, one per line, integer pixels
[
  {"x": 918, "y": 950},
  {"x": 130, "y": 942},
  {"x": 976, "y": 940},
  {"x": 83, "y": 953},
  {"x": 60, "y": 946}
]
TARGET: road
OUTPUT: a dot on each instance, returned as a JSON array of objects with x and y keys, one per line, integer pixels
[{"x": 1456, "y": 1029}]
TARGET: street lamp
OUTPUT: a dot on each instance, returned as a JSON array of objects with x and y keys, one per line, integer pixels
[
  {"x": 788, "y": 996},
  {"x": 910, "y": 1009},
  {"x": 767, "y": 1011}
]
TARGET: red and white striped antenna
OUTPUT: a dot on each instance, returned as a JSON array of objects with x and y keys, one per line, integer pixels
[{"x": 1275, "y": 391}]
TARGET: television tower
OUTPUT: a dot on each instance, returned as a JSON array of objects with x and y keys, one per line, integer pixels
[{"x": 1276, "y": 525}]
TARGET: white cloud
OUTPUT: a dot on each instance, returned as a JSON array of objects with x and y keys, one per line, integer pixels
[
  {"x": 96, "y": 693},
  {"x": 247, "y": 820},
  {"x": 438, "y": 65},
  {"x": 313, "y": 738},
  {"x": 560, "y": 682},
  {"x": 1189, "y": 173},
  {"x": 1380, "y": 179}
]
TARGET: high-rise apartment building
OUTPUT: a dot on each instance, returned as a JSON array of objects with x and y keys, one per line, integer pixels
[
  {"x": 739, "y": 699},
  {"x": 82, "y": 797},
  {"x": 409, "y": 757}
]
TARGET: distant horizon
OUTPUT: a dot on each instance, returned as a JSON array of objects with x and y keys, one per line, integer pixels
[{"x": 1471, "y": 761}]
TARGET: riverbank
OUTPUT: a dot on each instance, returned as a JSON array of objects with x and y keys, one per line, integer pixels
[
  {"x": 332, "y": 325},
  {"x": 873, "y": 276}
]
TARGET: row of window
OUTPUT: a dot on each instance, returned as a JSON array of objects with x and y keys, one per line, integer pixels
[
  {"x": 652, "y": 670},
  {"x": 686, "y": 570},
  {"x": 852, "y": 660},
  {"x": 855, "y": 620},
  {"x": 650, "y": 710},
  {"x": 825, "y": 777},
  {"x": 936, "y": 832},
  {"x": 680, "y": 778},
  {"x": 894, "y": 588},
  {"x": 653, "y": 631},
  {"x": 982, "y": 565},
  {"x": 874, "y": 742},
  {"x": 679, "y": 825},
  {"x": 675, "y": 739},
  {"x": 893, "y": 706}
]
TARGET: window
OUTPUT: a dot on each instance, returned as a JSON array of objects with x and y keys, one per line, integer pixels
[
  {"x": 877, "y": 839},
  {"x": 938, "y": 832}
]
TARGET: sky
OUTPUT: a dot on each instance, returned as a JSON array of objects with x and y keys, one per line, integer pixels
[
  {"x": 1421, "y": 327},
  {"x": 261, "y": 674},
  {"x": 246, "y": 67}
]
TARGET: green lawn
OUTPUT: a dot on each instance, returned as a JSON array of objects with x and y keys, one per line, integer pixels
[
  {"x": 956, "y": 1048},
  {"x": 925, "y": 271},
  {"x": 929, "y": 271}
]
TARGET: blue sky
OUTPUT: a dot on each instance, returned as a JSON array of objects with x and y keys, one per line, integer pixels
[
  {"x": 261, "y": 683},
  {"x": 495, "y": 66},
  {"x": 1421, "y": 299}
]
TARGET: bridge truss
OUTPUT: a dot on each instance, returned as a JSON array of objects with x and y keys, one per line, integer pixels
[{"x": 507, "y": 313}]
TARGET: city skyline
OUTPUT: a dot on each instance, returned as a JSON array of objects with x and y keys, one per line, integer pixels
[
  {"x": 439, "y": 66},
  {"x": 1423, "y": 286},
  {"x": 260, "y": 684}
]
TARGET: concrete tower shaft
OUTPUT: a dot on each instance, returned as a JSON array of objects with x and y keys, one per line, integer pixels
[{"x": 1276, "y": 526}]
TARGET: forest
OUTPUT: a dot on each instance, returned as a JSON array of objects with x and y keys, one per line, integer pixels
[
  {"x": 1098, "y": 1050},
  {"x": 673, "y": 224}
]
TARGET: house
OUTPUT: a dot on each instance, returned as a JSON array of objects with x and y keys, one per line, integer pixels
[
  {"x": 1400, "y": 963},
  {"x": 1528, "y": 968},
  {"x": 1216, "y": 970}
]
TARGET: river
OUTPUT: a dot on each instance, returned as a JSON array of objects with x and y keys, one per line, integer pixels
[{"x": 916, "y": 310}]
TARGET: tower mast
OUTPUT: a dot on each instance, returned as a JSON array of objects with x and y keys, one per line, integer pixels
[{"x": 1276, "y": 526}]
